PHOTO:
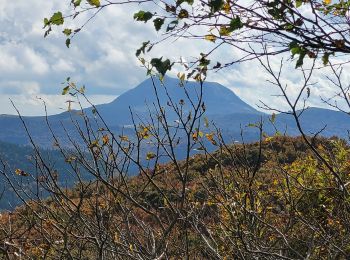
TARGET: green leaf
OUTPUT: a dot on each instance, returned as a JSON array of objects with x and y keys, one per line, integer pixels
[
  {"x": 57, "y": 19},
  {"x": 65, "y": 90},
  {"x": 161, "y": 66},
  {"x": 142, "y": 49},
  {"x": 298, "y": 3},
  {"x": 236, "y": 24},
  {"x": 215, "y": 5},
  {"x": 143, "y": 16},
  {"x": 94, "y": 3},
  {"x": 67, "y": 32},
  {"x": 295, "y": 48},
  {"x": 67, "y": 42},
  {"x": 179, "y": 2},
  {"x": 77, "y": 3},
  {"x": 158, "y": 23},
  {"x": 288, "y": 26},
  {"x": 203, "y": 61},
  {"x": 300, "y": 60},
  {"x": 325, "y": 58},
  {"x": 46, "y": 22},
  {"x": 273, "y": 118},
  {"x": 273, "y": 3}
]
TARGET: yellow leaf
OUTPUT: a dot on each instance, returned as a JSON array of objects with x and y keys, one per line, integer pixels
[
  {"x": 327, "y": 2},
  {"x": 300, "y": 180},
  {"x": 21, "y": 172},
  {"x": 198, "y": 78},
  {"x": 145, "y": 135},
  {"x": 209, "y": 136},
  {"x": 210, "y": 37},
  {"x": 144, "y": 132},
  {"x": 94, "y": 3},
  {"x": 210, "y": 203},
  {"x": 116, "y": 238},
  {"x": 94, "y": 144},
  {"x": 105, "y": 139},
  {"x": 82, "y": 90},
  {"x": 70, "y": 159},
  {"x": 227, "y": 7},
  {"x": 268, "y": 138},
  {"x": 224, "y": 31},
  {"x": 181, "y": 76},
  {"x": 150, "y": 156},
  {"x": 123, "y": 138},
  {"x": 197, "y": 134}
]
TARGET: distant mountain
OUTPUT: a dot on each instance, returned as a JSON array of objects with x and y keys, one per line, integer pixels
[
  {"x": 223, "y": 107},
  {"x": 313, "y": 120},
  {"x": 21, "y": 157},
  {"x": 333, "y": 123},
  {"x": 13, "y": 131},
  {"x": 218, "y": 100}
]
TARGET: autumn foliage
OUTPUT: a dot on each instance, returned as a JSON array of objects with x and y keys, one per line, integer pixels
[{"x": 272, "y": 200}]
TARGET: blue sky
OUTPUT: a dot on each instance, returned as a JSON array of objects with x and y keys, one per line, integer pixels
[{"x": 102, "y": 57}]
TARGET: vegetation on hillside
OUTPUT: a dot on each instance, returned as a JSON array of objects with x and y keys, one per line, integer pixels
[{"x": 273, "y": 200}]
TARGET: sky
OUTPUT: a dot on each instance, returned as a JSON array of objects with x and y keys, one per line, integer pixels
[{"x": 102, "y": 57}]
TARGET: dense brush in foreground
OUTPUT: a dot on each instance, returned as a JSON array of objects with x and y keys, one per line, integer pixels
[{"x": 268, "y": 200}]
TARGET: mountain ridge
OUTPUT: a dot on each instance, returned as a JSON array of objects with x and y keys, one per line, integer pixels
[
  {"x": 141, "y": 98},
  {"x": 223, "y": 107}
]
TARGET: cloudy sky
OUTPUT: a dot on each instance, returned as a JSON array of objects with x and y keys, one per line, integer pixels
[{"x": 102, "y": 57}]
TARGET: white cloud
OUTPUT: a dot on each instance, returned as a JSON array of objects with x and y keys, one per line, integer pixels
[
  {"x": 33, "y": 104},
  {"x": 8, "y": 62},
  {"x": 18, "y": 87},
  {"x": 102, "y": 57},
  {"x": 63, "y": 66},
  {"x": 35, "y": 61}
]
